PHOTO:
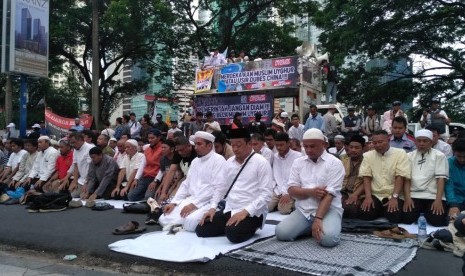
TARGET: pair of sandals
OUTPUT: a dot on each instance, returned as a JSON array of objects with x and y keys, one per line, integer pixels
[
  {"x": 396, "y": 233},
  {"x": 133, "y": 227}
]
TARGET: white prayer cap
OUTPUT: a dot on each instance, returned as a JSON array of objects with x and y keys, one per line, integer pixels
[
  {"x": 314, "y": 134},
  {"x": 424, "y": 133},
  {"x": 113, "y": 139},
  {"x": 44, "y": 138},
  {"x": 204, "y": 135},
  {"x": 54, "y": 142},
  {"x": 11, "y": 125},
  {"x": 35, "y": 126},
  {"x": 366, "y": 138},
  {"x": 284, "y": 115},
  {"x": 339, "y": 138},
  {"x": 132, "y": 142}
]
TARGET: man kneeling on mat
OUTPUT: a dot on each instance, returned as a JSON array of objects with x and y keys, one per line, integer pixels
[
  {"x": 247, "y": 190},
  {"x": 193, "y": 196},
  {"x": 315, "y": 183}
]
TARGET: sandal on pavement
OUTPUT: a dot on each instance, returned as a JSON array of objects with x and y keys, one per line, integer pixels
[{"x": 131, "y": 227}]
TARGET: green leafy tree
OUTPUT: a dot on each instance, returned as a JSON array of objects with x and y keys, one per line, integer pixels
[
  {"x": 253, "y": 26},
  {"x": 355, "y": 32},
  {"x": 142, "y": 33}
]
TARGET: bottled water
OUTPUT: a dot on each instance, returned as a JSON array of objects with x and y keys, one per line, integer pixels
[{"x": 422, "y": 235}]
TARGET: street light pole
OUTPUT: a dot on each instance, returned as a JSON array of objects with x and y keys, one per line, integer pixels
[{"x": 95, "y": 65}]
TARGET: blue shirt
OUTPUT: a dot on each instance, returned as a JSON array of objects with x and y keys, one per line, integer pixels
[
  {"x": 404, "y": 143},
  {"x": 455, "y": 186},
  {"x": 44, "y": 131},
  {"x": 315, "y": 122}
]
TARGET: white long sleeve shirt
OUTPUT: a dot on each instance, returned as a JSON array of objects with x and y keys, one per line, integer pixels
[
  {"x": 253, "y": 188},
  {"x": 267, "y": 154},
  {"x": 135, "y": 128},
  {"x": 140, "y": 169},
  {"x": 296, "y": 132},
  {"x": 327, "y": 172},
  {"x": 45, "y": 164},
  {"x": 25, "y": 166},
  {"x": 15, "y": 158},
  {"x": 205, "y": 175},
  {"x": 82, "y": 159},
  {"x": 281, "y": 168}
]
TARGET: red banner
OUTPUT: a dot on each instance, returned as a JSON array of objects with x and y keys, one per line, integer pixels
[{"x": 59, "y": 125}]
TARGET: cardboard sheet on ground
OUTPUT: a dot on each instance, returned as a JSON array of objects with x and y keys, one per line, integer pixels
[
  {"x": 183, "y": 246},
  {"x": 413, "y": 228},
  {"x": 118, "y": 204}
]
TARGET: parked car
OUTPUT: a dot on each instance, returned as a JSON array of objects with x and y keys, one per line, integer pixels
[
  {"x": 455, "y": 128},
  {"x": 341, "y": 111},
  {"x": 452, "y": 128}
]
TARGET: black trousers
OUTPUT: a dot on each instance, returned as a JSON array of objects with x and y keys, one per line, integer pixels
[
  {"x": 379, "y": 210},
  {"x": 424, "y": 206},
  {"x": 235, "y": 234},
  {"x": 350, "y": 211}
]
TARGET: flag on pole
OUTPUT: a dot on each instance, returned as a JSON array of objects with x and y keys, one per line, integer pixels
[{"x": 154, "y": 112}]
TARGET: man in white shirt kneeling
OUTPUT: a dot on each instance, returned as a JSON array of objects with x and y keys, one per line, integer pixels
[
  {"x": 247, "y": 190},
  {"x": 283, "y": 160},
  {"x": 193, "y": 197},
  {"x": 315, "y": 183}
]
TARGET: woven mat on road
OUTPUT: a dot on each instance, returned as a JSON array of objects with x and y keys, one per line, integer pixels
[{"x": 355, "y": 255}]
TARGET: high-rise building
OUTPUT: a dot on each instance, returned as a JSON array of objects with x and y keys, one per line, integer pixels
[{"x": 26, "y": 24}]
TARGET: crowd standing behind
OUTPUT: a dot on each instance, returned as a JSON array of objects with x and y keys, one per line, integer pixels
[{"x": 214, "y": 185}]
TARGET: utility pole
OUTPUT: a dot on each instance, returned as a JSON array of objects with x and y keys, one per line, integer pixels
[
  {"x": 95, "y": 65},
  {"x": 8, "y": 100}
]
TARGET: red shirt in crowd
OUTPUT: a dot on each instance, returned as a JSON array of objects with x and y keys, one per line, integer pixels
[{"x": 63, "y": 164}]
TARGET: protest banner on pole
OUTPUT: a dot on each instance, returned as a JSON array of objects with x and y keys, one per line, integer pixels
[
  {"x": 259, "y": 75},
  {"x": 59, "y": 126},
  {"x": 224, "y": 107},
  {"x": 203, "y": 80}
]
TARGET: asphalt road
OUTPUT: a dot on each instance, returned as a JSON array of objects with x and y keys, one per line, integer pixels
[{"x": 87, "y": 233}]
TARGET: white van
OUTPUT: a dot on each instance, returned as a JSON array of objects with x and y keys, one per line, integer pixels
[
  {"x": 412, "y": 128},
  {"x": 341, "y": 111}
]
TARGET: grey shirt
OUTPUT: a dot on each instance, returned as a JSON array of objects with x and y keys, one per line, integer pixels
[
  {"x": 330, "y": 124},
  {"x": 195, "y": 126},
  {"x": 100, "y": 176}
]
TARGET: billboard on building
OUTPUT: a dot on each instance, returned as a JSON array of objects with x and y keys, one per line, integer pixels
[
  {"x": 224, "y": 107},
  {"x": 259, "y": 75},
  {"x": 25, "y": 37}
]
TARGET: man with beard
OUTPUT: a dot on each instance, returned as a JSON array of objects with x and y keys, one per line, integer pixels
[{"x": 352, "y": 185}]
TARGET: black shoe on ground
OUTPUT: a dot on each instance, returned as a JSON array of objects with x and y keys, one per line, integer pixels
[
  {"x": 32, "y": 208},
  {"x": 53, "y": 208},
  {"x": 152, "y": 217}
]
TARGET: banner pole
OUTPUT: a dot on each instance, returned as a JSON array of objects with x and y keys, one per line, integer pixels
[{"x": 23, "y": 107}]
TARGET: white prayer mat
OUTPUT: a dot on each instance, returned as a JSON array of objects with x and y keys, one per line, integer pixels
[
  {"x": 183, "y": 246},
  {"x": 276, "y": 216},
  {"x": 362, "y": 255}
]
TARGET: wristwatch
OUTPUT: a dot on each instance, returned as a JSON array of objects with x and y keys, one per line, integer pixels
[{"x": 394, "y": 195}]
